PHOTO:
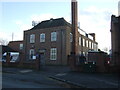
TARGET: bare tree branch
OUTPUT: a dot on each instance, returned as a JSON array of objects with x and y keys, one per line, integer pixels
[{"x": 3, "y": 42}]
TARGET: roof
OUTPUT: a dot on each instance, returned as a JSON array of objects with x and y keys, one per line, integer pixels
[
  {"x": 51, "y": 23},
  {"x": 7, "y": 49},
  {"x": 96, "y": 52},
  {"x": 12, "y": 42}
]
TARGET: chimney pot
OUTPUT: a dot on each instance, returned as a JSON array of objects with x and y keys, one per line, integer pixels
[{"x": 93, "y": 35}]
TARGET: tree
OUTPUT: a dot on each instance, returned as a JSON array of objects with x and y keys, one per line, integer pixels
[
  {"x": 3, "y": 42},
  {"x": 105, "y": 49}
]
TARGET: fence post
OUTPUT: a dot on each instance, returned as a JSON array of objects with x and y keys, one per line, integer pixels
[{"x": 8, "y": 58}]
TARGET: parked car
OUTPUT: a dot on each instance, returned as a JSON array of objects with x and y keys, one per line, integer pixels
[
  {"x": 3, "y": 59},
  {"x": 14, "y": 56}
]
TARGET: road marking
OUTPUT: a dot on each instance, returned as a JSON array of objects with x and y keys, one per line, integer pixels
[
  {"x": 25, "y": 71},
  {"x": 61, "y": 74},
  {"x": 111, "y": 83}
]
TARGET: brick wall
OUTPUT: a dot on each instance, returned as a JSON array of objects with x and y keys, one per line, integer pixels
[
  {"x": 15, "y": 45},
  {"x": 47, "y": 45},
  {"x": 99, "y": 58}
]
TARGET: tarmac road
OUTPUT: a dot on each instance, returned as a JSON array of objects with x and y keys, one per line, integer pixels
[
  {"x": 51, "y": 77},
  {"x": 27, "y": 79}
]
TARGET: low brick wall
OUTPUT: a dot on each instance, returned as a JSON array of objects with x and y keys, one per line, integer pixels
[
  {"x": 22, "y": 64},
  {"x": 31, "y": 65},
  {"x": 10, "y": 64}
]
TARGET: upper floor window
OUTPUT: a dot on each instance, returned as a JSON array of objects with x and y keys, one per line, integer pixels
[
  {"x": 95, "y": 47},
  {"x": 84, "y": 53},
  {"x": 53, "y": 36},
  {"x": 90, "y": 44},
  {"x": 32, "y": 38},
  {"x": 42, "y": 37},
  {"x": 79, "y": 40},
  {"x": 71, "y": 37},
  {"x": 83, "y": 42},
  {"x": 86, "y": 43},
  {"x": 21, "y": 46},
  {"x": 53, "y": 54}
]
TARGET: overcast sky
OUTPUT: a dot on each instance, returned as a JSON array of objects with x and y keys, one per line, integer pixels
[{"x": 94, "y": 16}]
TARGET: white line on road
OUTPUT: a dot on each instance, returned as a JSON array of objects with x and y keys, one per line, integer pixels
[
  {"x": 25, "y": 71},
  {"x": 60, "y": 74},
  {"x": 107, "y": 82}
]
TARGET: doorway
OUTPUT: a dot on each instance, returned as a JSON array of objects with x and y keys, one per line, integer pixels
[{"x": 42, "y": 59}]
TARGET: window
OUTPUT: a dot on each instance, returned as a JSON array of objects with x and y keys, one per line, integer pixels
[
  {"x": 80, "y": 52},
  {"x": 95, "y": 47},
  {"x": 86, "y": 43},
  {"x": 79, "y": 40},
  {"x": 31, "y": 53},
  {"x": 21, "y": 46},
  {"x": 42, "y": 37},
  {"x": 32, "y": 38},
  {"x": 71, "y": 37},
  {"x": 84, "y": 53},
  {"x": 53, "y": 36},
  {"x": 90, "y": 44},
  {"x": 53, "y": 54},
  {"x": 83, "y": 42}
]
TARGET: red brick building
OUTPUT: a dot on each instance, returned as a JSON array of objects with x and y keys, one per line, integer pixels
[
  {"x": 16, "y": 45},
  {"x": 51, "y": 39},
  {"x": 115, "y": 36},
  {"x": 100, "y": 59}
]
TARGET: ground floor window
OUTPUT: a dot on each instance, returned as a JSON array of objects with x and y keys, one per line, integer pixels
[
  {"x": 53, "y": 54},
  {"x": 84, "y": 53},
  {"x": 31, "y": 53}
]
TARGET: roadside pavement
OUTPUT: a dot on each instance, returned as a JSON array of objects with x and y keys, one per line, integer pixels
[{"x": 84, "y": 80}]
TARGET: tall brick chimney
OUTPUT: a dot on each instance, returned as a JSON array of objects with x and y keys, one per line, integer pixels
[{"x": 74, "y": 27}]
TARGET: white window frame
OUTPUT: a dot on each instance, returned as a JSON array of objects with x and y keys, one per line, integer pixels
[
  {"x": 31, "y": 53},
  {"x": 84, "y": 53},
  {"x": 83, "y": 42},
  {"x": 71, "y": 37},
  {"x": 53, "y": 36},
  {"x": 21, "y": 46},
  {"x": 95, "y": 47},
  {"x": 53, "y": 54},
  {"x": 42, "y": 37},
  {"x": 86, "y": 43},
  {"x": 90, "y": 44},
  {"x": 79, "y": 40},
  {"x": 32, "y": 38}
]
